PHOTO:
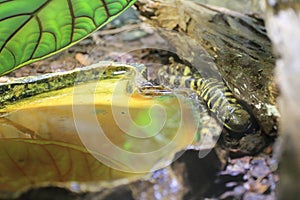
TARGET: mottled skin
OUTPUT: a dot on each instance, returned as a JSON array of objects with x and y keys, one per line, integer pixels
[{"x": 217, "y": 96}]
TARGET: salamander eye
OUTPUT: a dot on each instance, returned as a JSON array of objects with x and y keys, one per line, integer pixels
[{"x": 227, "y": 120}]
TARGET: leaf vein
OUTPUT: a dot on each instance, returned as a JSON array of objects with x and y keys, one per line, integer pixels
[
  {"x": 40, "y": 26},
  {"x": 72, "y": 20}
]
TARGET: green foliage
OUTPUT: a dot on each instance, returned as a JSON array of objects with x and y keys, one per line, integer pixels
[{"x": 31, "y": 30}]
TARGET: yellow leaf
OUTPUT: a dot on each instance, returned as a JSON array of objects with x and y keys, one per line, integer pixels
[{"x": 25, "y": 163}]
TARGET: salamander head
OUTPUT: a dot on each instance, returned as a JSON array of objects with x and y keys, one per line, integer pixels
[{"x": 238, "y": 121}]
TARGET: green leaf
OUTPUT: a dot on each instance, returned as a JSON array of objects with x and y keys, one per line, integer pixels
[{"x": 31, "y": 30}]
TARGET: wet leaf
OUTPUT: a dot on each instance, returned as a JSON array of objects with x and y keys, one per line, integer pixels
[
  {"x": 34, "y": 29},
  {"x": 27, "y": 163}
]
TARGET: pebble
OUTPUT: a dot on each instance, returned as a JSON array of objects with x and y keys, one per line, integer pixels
[
  {"x": 4, "y": 79},
  {"x": 259, "y": 168},
  {"x": 83, "y": 59}
]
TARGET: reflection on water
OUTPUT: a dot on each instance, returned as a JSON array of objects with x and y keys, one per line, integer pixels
[{"x": 109, "y": 119}]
